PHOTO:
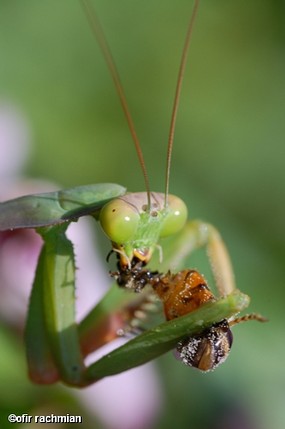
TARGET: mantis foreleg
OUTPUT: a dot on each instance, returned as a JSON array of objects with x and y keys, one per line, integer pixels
[{"x": 51, "y": 332}]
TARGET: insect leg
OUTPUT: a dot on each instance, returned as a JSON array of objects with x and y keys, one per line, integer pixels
[
  {"x": 198, "y": 234},
  {"x": 52, "y": 337}
]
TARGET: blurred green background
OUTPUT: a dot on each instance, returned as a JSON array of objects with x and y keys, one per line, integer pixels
[{"x": 228, "y": 160}]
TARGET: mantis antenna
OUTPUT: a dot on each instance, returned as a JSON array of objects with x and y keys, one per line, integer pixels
[
  {"x": 99, "y": 34},
  {"x": 177, "y": 98}
]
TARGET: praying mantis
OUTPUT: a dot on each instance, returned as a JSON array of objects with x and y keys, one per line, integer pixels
[{"x": 136, "y": 224}]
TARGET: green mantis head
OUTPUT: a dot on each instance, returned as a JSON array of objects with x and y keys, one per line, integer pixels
[{"x": 135, "y": 230}]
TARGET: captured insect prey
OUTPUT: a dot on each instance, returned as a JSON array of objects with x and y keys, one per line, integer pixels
[
  {"x": 207, "y": 350},
  {"x": 182, "y": 293},
  {"x": 211, "y": 347},
  {"x": 152, "y": 238}
]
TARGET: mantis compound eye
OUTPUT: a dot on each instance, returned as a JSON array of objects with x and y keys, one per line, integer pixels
[
  {"x": 176, "y": 218},
  {"x": 119, "y": 220},
  {"x": 207, "y": 350}
]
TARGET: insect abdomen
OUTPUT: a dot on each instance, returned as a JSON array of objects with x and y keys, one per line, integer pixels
[{"x": 182, "y": 293}]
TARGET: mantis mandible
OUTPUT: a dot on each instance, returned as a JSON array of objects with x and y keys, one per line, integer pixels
[{"x": 135, "y": 223}]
